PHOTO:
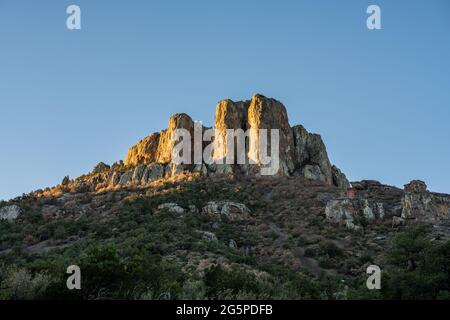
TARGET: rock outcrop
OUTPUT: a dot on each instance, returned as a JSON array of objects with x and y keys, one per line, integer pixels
[
  {"x": 422, "y": 206},
  {"x": 354, "y": 212},
  {"x": 300, "y": 152},
  {"x": 100, "y": 167},
  {"x": 231, "y": 210},
  {"x": 171, "y": 207},
  {"x": 145, "y": 151},
  {"x": 369, "y": 200},
  {"x": 157, "y": 148},
  {"x": 339, "y": 179},
  {"x": 311, "y": 156},
  {"x": 268, "y": 114},
  {"x": 416, "y": 186},
  {"x": 10, "y": 213}
]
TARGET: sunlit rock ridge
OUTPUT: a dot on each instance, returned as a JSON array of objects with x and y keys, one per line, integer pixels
[
  {"x": 300, "y": 153},
  {"x": 304, "y": 170}
]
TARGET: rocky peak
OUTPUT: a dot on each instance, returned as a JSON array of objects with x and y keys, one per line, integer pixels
[
  {"x": 416, "y": 186},
  {"x": 422, "y": 206},
  {"x": 157, "y": 147},
  {"x": 265, "y": 113},
  {"x": 300, "y": 152},
  {"x": 100, "y": 167}
]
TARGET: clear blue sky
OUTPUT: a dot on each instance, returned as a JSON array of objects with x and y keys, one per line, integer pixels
[{"x": 69, "y": 99}]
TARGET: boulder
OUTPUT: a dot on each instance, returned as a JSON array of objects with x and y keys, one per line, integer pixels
[
  {"x": 173, "y": 169},
  {"x": 397, "y": 222},
  {"x": 137, "y": 174},
  {"x": 367, "y": 210},
  {"x": 339, "y": 178},
  {"x": 115, "y": 178},
  {"x": 10, "y": 213},
  {"x": 155, "y": 171},
  {"x": 171, "y": 207},
  {"x": 416, "y": 186},
  {"x": 100, "y": 168},
  {"x": 340, "y": 211},
  {"x": 126, "y": 177},
  {"x": 208, "y": 236},
  {"x": 167, "y": 141},
  {"x": 231, "y": 210},
  {"x": 313, "y": 172},
  {"x": 232, "y": 244}
]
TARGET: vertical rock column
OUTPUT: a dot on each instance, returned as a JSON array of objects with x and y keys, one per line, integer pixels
[{"x": 265, "y": 113}]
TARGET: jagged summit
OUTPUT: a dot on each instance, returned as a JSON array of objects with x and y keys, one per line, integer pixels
[
  {"x": 303, "y": 164},
  {"x": 149, "y": 215},
  {"x": 300, "y": 153}
]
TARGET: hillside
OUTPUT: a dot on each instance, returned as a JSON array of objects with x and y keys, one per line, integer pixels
[{"x": 147, "y": 228}]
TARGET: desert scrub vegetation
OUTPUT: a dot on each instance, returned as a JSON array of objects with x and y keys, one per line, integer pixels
[{"x": 128, "y": 249}]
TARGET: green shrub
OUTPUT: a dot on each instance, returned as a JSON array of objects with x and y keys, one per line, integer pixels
[{"x": 331, "y": 250}]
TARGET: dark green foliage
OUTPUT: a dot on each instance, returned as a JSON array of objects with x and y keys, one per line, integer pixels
[
  {"x": 218, "y": 281},
  {"x": 418, "y": 268},
  {"x": 331, "y": 250},
  {"x": 130, "y": 250}
]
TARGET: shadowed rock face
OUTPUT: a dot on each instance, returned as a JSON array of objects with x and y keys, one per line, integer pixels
[
  {"x": 312, "y": 158},
  {"x": 372, "y": 201},
  {"x": 300, "y": 152}
]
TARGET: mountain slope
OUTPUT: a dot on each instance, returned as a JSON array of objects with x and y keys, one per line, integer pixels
[{"x": 145, "y": 229}]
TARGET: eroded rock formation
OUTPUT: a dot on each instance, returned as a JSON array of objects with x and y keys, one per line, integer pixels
[
  {"x": 369, "y": 200},
  {"x": 10, "y": 213},
  {"x": 420, "y": 205},
  {"x": 300, "y": 152},
  {"x": 157, "y": 148}
]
